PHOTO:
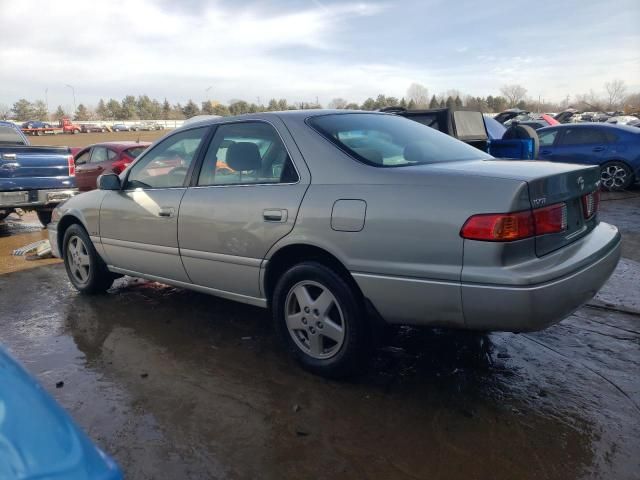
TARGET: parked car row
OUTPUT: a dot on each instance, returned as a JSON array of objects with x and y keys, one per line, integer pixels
[{"x": 37, "y": 127}]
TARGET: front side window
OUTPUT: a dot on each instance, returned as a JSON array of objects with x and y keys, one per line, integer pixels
[
  {"x": 246, "y": 153},
  {"x": 547, "y": 138},
  {"x": 99, "y": 154},
  {"x": 167, "y": 164},
  {"x": 391, "y": 141},
  {"x": 83, "y": 157}
]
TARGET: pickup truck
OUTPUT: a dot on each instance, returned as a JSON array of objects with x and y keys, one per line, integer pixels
[
  {"x": 471, "y": 127},
  {"x": 33, "y": 178}
]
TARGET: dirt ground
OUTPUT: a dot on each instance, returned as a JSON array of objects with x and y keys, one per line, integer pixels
[
  {"x": 179, "y": 385},
  {"x": 84, "y": 139}
]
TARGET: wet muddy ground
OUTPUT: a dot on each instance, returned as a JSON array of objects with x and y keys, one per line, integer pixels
[{"x": 176, "y": 384}]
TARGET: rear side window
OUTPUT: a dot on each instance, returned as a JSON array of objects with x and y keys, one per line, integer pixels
[
  {"x": 582, "y": 136},
  {"x": 135, "y": 151},
  {"x": 9, "y": 136},
  {"x": 391, "y": 141}
]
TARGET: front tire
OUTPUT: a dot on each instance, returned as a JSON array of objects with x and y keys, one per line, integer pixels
[
  {"x": 615, "y": 176},
  {"x": 86, "y": 270},
  {"x": 321, "y": 320}
]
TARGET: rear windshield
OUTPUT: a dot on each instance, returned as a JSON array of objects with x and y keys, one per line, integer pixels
[
  {"x": 135, "y": 151},
  {"x": 9, "y": 136},
  {"x": 391, "y": 141}
]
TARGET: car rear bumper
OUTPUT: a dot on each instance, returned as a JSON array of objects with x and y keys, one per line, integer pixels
[
  {"x": 525, "y": 304},
  {"x": 35, "y": 198},
  {"x": 534, "y": 307}
]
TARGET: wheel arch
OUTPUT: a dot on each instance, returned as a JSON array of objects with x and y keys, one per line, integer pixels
[
  {"x": 63, "y": 224},
  {"x": 292, "y": 254}
]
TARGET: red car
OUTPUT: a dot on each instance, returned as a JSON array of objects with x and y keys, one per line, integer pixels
[{"x": 106, "y": 157}]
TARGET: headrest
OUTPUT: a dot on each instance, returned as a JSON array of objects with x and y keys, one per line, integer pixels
[
  {"x": 418, "y": 152},
  {"x": 243, "y": 156}
]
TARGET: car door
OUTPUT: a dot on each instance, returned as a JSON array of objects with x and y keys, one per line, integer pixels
[
  {"x": 245, "y": 198},
  {"x": 139, "y": 223},
  {"x": 580, "y": 144},
  {"x": 83, "y": 176},
  {"x": 97, "y": 165}
]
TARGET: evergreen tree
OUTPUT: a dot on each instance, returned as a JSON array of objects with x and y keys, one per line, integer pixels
[
  {"x": 458, "y": 102},
  {"x": 23, "y": 110},
  {"x": 369, "y": 104},
  {"x": 101, "y": 110},
  {"x": 451, "y": 103},
  {"x": 434, "y": 102},
  {"x": 113, "y": 109},
  {"x": 129, "y": 108},
  {"x": 442, "y": 104},
  {"x": 166, "y": 110},
  {"x": 411, "y": 105},
  {"x": 82, "y": 113},
  {"x": 40, "y": 110},
  {"x": 60, "y": 113},
  {"x": 190, "y": 109}
]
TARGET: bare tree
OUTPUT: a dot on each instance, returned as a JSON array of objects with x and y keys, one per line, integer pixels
[
  {"x": 616, "y": 91},
  {"x": 419, "y": 94},
  {"x": 4, "y": 111},
  {"x": 338, "y": 103},
  {"x": 588, "y": 101},
  {"x": 514, "y": 94}
]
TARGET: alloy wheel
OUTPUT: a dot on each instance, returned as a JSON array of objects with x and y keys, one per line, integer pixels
[
  {"x": 314, "y": 319},
  {"x": 78, "y": 260},
  {"x": 613, "y": 176}
]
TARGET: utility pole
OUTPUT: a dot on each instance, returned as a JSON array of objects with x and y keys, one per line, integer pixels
[
  {"x": 46, "y": 100},
  {"x": 73, "y": 90}
]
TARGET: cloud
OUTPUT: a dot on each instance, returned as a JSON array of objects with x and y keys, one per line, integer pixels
[{"x": 324, "y": 48}]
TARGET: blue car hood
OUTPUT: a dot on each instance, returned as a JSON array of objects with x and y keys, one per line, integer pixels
[{"x": 38, "y": 439}]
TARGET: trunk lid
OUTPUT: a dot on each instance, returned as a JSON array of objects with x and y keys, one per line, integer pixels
[
  {"x": 29, "y": 162},
  {"x": 569, "y": 188},
  {"x": 548, "y": 183}
]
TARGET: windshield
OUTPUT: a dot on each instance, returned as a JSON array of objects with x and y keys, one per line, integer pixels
[
  {"x": 9, "y": 136},
  {"x": 391, "y": 141}
]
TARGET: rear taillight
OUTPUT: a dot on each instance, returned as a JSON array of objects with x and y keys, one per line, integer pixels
[
  {"x": 507, "y": 227},
  {"x": 590, "y": 204},
  {"x": 552, "y": 219},
  {"x": 72, "y": 166}
]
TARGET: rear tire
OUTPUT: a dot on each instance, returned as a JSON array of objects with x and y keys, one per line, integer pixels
[
  {"x": 86, "y": 270},
  {"x": 44, "y": 216},
  {"x": 321, "y": 320},
  {"x": 615, "y": 176}
]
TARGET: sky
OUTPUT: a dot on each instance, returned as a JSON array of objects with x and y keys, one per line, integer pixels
[{"x": 303, "y": 50}]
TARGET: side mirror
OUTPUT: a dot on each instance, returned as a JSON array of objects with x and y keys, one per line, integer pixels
[{"x": 109, "y": 181}]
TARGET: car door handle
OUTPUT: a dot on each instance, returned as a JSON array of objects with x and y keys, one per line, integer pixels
[
  {"x": 274, "y": 215},
  {"x": 598, "y": 149},
  {"x": 545, "y": 152},
  {"x": 166, "y": 212}
]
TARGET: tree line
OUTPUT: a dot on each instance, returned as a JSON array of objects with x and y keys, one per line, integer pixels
[{"x": 417, "y": 97}]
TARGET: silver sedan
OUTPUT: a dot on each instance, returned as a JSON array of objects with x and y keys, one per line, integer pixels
[{"x": 340, "y": 221}]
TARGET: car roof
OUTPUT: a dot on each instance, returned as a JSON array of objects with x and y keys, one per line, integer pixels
[{"x": 285, "y": 114}]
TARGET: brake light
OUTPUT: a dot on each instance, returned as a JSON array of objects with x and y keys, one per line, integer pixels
[
  {"x": 590, "y": 204},
  {"x": 507, "y": 227},
  {"x": 72, "y": 166},
  {"x": 500, "y": 227},
  {"x": 552, "y": 219}
]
